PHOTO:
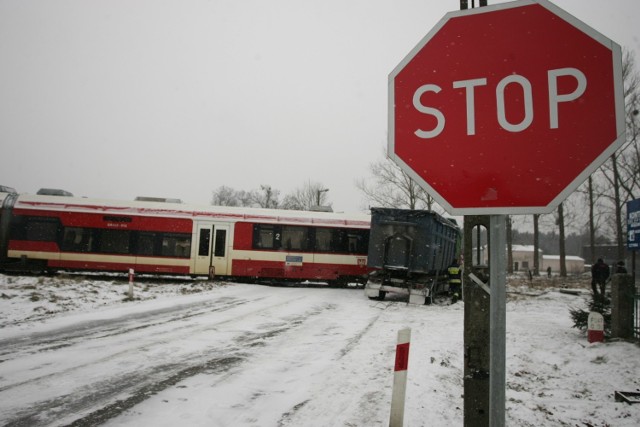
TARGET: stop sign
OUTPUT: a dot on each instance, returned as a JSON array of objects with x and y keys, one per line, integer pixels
[{"x": 507, "y": 108}]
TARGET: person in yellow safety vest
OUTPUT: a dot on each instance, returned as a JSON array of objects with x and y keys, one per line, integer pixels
[{"x": 454, "y": 273}]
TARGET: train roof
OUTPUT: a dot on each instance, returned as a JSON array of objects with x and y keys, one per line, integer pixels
[{"x": 197, "y": 212}]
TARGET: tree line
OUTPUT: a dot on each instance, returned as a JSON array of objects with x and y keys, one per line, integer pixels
[{"x": 307, "y": 197}]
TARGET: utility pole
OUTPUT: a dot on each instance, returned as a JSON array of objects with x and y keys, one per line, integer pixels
[{"x": 324, "y": 190}]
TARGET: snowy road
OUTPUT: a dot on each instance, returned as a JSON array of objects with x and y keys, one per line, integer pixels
[
  {"x": 94, "y": 369},
  {"x": 72, "y": 352}
]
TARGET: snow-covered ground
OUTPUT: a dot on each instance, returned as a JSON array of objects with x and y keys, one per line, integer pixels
[{"x": 74, "y": 350}]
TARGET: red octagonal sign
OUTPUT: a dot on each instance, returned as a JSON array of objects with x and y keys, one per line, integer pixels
[{"x": 507, "y": 108}]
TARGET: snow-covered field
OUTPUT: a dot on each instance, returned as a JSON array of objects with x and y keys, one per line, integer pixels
[{"x": 74, "y": 350}]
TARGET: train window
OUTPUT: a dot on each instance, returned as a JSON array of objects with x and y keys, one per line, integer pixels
[
  {"x": 323, "y": 239},
  {"x": 42, "y": 229},
  {"x": 205, "y": 242},
  {"x": 220, "y": 243},
  {"x": 163, "y": 244},
  {"x": 77, "y": 239},
  {"x": 17, "y": 228},
  {"x": 266, "y": 236},
  {"x": 35, "y": 228},
  {"x": 295, "y": 238},
  {"x": 114, "y": 242},
  {"x": 176, "y": 245},
  {"x": 341, "y": 240},
  {"x": 146, "y": 242},
  {"x": 358, "y": 241},
  {"x": 355, "y": 242}
]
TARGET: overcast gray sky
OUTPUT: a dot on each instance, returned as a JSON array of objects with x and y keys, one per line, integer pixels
[{"x": 174, "y": 98}]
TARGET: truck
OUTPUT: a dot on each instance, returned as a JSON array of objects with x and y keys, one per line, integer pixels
[{"x": 409, "y": 252}]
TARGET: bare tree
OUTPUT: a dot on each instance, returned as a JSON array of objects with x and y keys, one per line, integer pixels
[
  {"x": 509, "y": 244},
  {"x": 245, "y": 198},
  {"x": 389, "y": 186},
  {"x": 592, "y": 228},
  {"x": 563, "y": 254},
  {"x": 631, "y": 162},
  {"x": 592, "y": 191},
  {"x": 225, "y": 196},
  {"x": 266, "y": 197},
  {"x": 619, "y": 179},
  {"x": 536, "y": 243},
  {"x": 617, "y": 207},
  {"x": 306, "y": 197}
]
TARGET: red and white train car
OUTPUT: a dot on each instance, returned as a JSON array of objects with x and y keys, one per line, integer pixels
[{"x": 48, "y": 233}]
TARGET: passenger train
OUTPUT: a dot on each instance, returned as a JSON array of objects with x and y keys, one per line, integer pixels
[{"x": 47, "y": 233}]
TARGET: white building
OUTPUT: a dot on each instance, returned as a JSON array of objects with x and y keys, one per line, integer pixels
[
  {"x": 575, "y": 264},
  {"x": 523, "y": 257}
]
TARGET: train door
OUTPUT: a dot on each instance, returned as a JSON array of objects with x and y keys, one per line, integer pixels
[{"x": 212, "y": 249}]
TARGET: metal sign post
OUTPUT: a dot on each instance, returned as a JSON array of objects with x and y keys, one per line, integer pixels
[{"x": 497, "y": 319}]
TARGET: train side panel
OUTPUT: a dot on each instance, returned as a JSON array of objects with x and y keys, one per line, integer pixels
[
  {"x": 295, "y": 252},
  {"x": 59, "y": 233},
  {"x": 51, "y": 239}
]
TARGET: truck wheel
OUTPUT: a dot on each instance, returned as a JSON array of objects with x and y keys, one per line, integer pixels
[{"x": 380, "y": 297}]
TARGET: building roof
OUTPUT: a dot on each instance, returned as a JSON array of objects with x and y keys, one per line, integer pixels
[
  {"x": 567, "y": 257},
  {"x": 524, "y": 248}
]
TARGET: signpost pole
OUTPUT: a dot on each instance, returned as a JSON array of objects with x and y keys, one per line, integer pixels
[
  {"x": 476, "y": 324},
  {"x": 497, "y": 320}
]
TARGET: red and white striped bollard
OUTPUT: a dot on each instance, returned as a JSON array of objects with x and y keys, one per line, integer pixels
[{"x": 400, "y": 378}]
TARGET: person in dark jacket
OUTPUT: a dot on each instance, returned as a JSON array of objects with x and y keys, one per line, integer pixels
[{"x": 599, "y": 275}]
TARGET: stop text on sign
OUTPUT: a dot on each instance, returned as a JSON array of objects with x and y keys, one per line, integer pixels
[{"x": 470, "y": 86}]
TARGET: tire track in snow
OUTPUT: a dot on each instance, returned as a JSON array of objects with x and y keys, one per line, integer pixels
[
  {"x": 356, "y": 339},
  {"x": 149, "y": 344},
  {"x": 139, "y": 386},
  {"x": 99, "y": 329},
  {"x": 352, "y": 343}
]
